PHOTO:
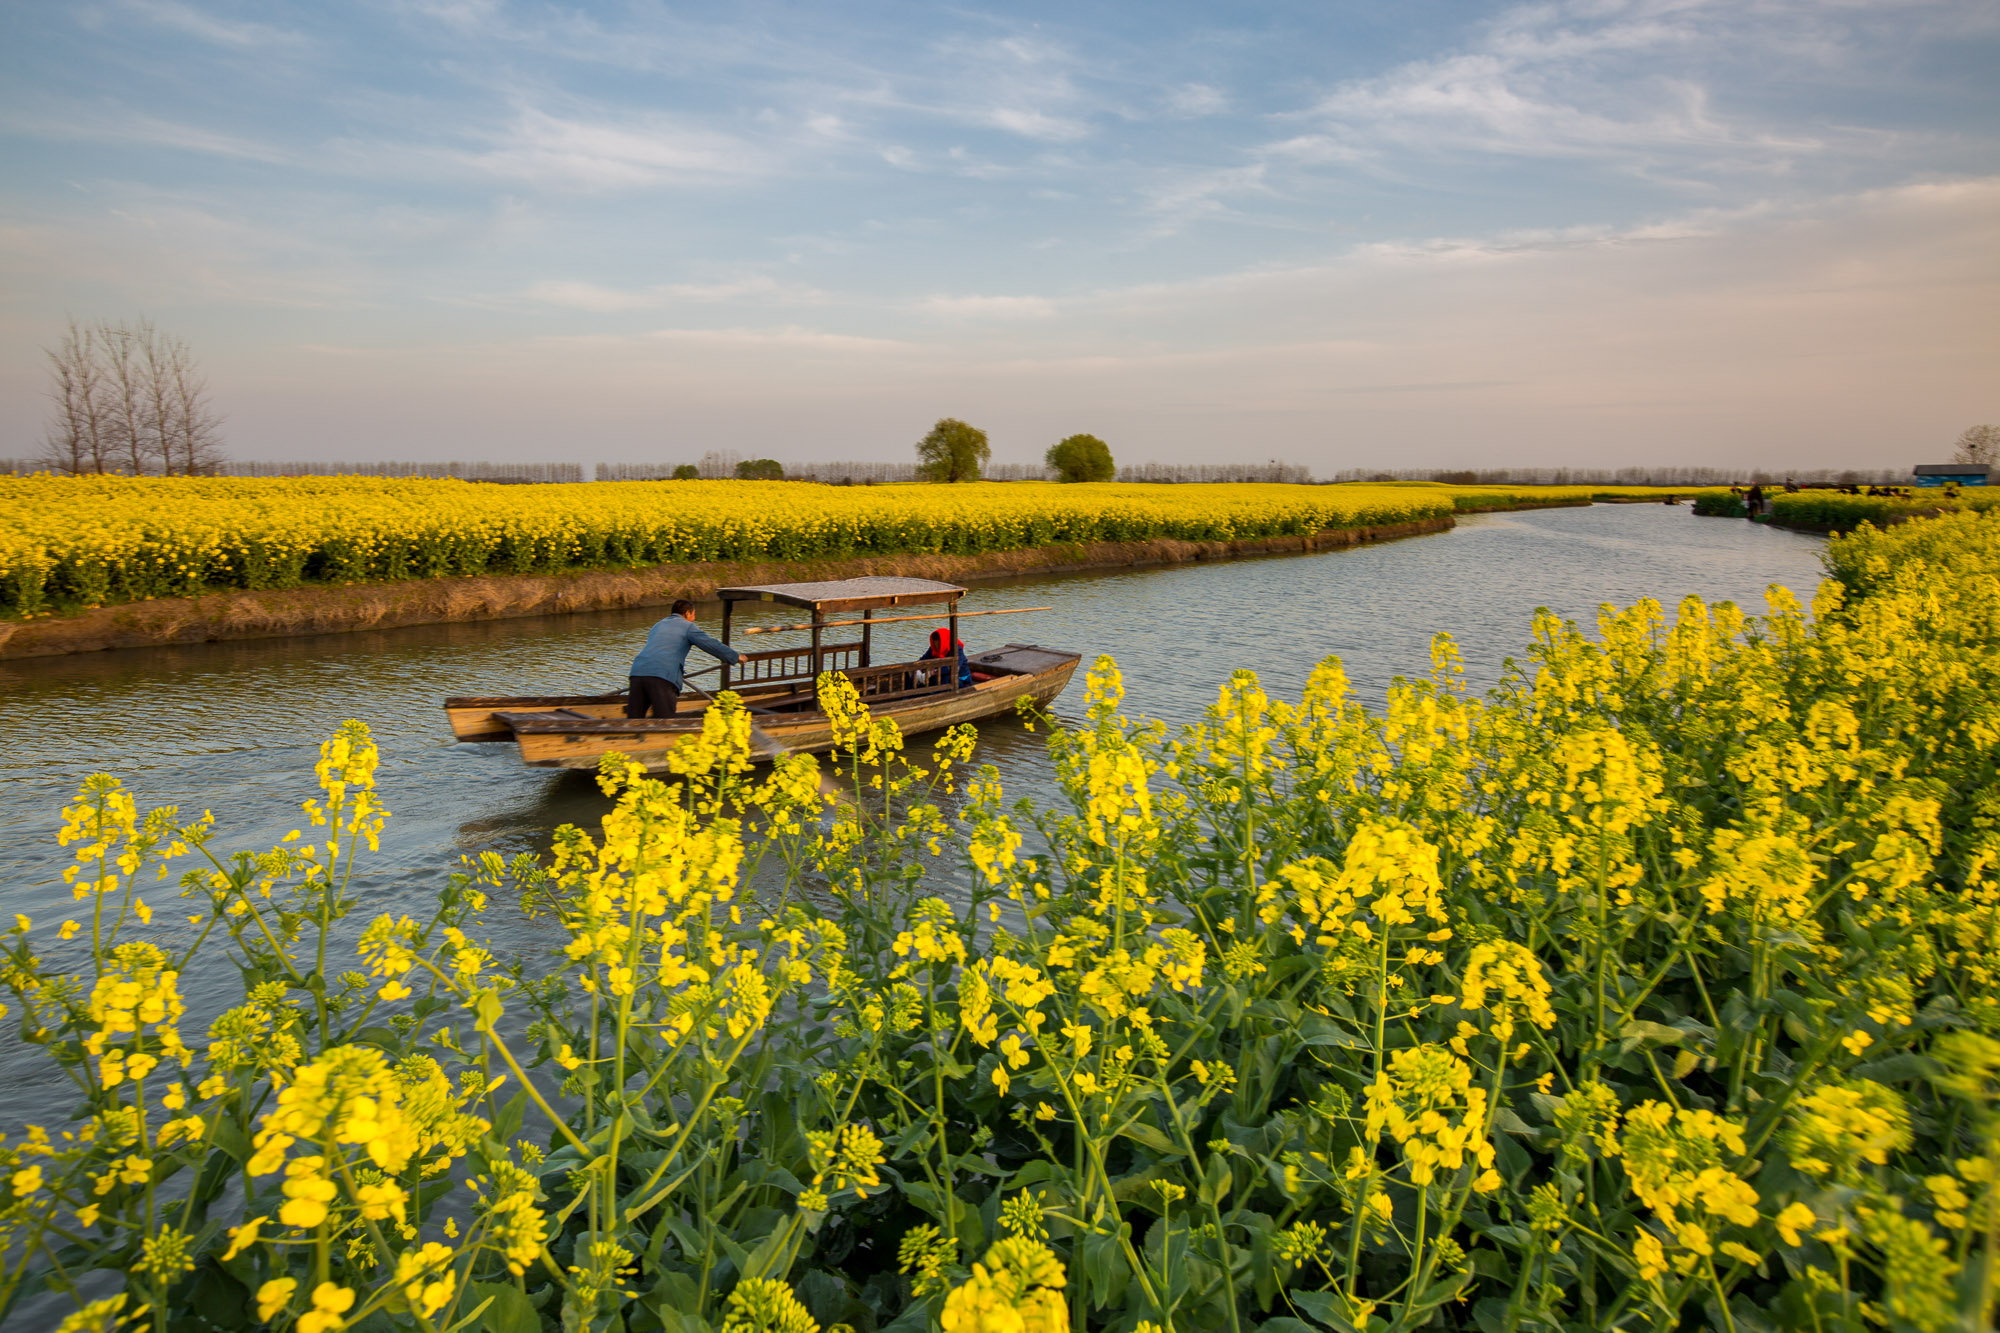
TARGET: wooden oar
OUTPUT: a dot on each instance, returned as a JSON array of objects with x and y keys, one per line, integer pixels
[{"x": 889, "y": 620}]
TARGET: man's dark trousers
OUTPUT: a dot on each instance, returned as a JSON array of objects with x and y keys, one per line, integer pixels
[{"x": 656, "y": 694}]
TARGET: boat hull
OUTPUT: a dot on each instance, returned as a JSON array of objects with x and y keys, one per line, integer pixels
[{"x": 589, "y": 727}]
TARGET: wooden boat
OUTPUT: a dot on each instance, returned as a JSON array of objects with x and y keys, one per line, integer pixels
[{"x": 575, "y": 731}]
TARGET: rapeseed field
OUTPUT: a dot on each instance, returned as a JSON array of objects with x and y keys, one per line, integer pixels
[
  {"x": 1828, "y": 509},
  {"x": 73, "y": 542}
]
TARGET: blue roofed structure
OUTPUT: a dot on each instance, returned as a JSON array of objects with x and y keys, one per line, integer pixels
[{"x": 1949, "y": 474}]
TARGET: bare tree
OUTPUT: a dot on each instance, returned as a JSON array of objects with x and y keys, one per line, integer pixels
[
  {"x": 119, "y": 345},
  {"x": 79, "y": 439},
  {"x": 129, "y": 398},
  {"x": 187, "y": 431},
  {"x": 1979, "y": 444}
]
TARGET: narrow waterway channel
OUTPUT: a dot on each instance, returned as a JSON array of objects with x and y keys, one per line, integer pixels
[{"x": 234, "y": 727}]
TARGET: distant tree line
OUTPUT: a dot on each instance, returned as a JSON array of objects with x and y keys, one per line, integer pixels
[
  {"x": 1212, "y": 473},
  {"x": 871, "y": 473},
  {"x": 1685, "y": 477},
  {"x": 519, "y": 473},
  {"x": 128, "y": 398}
]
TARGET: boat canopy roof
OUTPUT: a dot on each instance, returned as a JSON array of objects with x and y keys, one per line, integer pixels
[{"x": 848, "y": 594}]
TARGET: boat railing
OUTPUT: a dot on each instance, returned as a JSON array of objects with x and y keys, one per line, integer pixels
[
  {"x": 782, "y": 664},
  {"x": 898, "y": 680}
]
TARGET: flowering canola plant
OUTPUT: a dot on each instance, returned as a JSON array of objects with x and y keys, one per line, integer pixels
[{"x": 1655, "y": 989}]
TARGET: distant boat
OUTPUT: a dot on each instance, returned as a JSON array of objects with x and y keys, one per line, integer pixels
[{"x": 575, "y": 731}]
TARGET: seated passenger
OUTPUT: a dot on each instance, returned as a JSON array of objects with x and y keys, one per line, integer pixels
[{"x": 941, "y": 647}]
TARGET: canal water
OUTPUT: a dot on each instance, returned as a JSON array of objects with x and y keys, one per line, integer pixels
[{"x": 234, "y": 727}]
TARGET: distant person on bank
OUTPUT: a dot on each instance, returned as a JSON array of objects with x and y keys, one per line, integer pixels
[{"x": 657, "y": 670}]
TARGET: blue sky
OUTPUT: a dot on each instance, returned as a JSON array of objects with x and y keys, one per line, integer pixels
[{"x": 1419, "y": 234}]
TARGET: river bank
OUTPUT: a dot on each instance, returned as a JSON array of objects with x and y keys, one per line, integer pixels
[{"x": 332, "y": 609}]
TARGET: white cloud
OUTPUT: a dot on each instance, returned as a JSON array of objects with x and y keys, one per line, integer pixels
[
  {"x": 96, "y": 124},
  {"x": 473, "y": 15},
  {"x": 605, "y": 300},
  {"x": 1021, "y": 85},
  {"x": 790, "y": 336},
  {"x": 556, "y": 152},
  {"x": 222, "y": 32},
  {"x": 1196, "y": 99},
  {"x": 1589, "y": 78},
  {"x": 1032, "y": 123},
  {"x": 1197, "y": 195}
]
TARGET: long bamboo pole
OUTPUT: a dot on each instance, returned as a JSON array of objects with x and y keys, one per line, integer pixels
[{"x": 888, "y": 620}]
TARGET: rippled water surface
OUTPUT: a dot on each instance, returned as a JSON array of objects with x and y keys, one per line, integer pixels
[{"x": 233, "y": 727}]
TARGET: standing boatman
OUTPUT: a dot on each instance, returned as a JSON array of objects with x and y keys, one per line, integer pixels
[{"x": 656, "y": 671}]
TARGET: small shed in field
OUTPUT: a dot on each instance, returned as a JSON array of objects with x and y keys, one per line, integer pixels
[{"x": 1950, "y": 474}]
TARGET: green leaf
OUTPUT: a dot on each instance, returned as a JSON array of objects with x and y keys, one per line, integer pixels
[
  {"x": 509, "y": 1123},
  {"x": 219, "y": 1298},
  {"x": 1441, "y": 1291},
  {"x": 774, "y": 1249},
  {"x": 510, "y": 1311},
  {"x": 1151, "y": 1138},
  {"x": 1908, "y": 1068},
  {"x": 1640, "y": 1032},
  {"x": 1105, "y": 1266},
  {"x": 1215, "y": 1186},
  {"x": 916, "y": 1318},
  {"x": 230, "y": 1139},
  {"x": 1319, "y": 1030},
  {"x": 676, "y": 1300},
  {"x": 1330, "y": 1308}
]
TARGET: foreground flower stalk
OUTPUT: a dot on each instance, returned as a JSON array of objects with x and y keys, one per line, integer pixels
[{"x": 1654, "y": 989}]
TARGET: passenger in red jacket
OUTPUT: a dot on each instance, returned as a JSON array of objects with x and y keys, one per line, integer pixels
[{"x": 941, "y": 648}]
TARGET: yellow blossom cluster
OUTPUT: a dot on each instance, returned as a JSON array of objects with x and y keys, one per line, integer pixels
[{"x": 1016, "y": 1288}]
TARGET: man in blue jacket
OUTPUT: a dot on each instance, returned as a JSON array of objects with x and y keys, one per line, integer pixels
[{"x": 656, "y": 671}]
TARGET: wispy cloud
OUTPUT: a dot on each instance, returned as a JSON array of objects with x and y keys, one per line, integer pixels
[
  {"x": 606, "y": 300},
  {"x": 1580, "y": 78},
  {"x": 788, "y": 336},
  {"x": 199, "y": 23},
  {"x": 103, "y": 125},
  {"x": 1196, "y": 99},
  {"x": 650, "y": 149},
  {"x": 1200, "y": 195},
  {"x": 1033, "y": 123}
]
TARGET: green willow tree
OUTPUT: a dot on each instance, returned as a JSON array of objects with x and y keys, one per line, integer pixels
[
  {"x": 953, "y": 451},
  {"x": 1082, "y": 458}
]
